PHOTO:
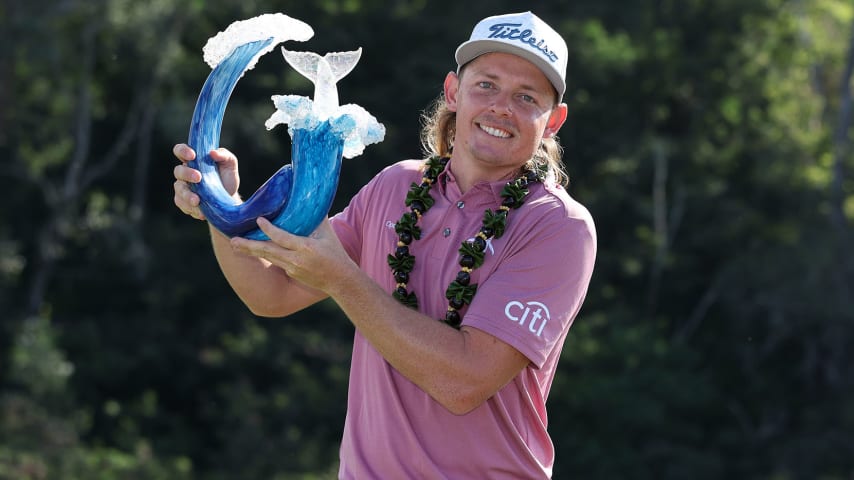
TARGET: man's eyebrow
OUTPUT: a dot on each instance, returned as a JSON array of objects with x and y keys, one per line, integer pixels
[{"x": 494, "y": 76}]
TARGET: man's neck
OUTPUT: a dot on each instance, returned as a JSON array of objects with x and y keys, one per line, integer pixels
[{"x": 467, "y": 175}]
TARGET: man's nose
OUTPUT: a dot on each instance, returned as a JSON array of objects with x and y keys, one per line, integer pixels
[{"x": 502, "y": 105}]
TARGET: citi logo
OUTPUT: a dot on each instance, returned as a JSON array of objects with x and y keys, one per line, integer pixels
[{"x": 533, "y": 314}]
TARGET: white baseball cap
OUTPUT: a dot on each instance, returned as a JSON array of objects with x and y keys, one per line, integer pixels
[{"x": 522, "y": 34}]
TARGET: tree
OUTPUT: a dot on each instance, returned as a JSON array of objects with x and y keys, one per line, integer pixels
[{"x": 710, "y": 140}]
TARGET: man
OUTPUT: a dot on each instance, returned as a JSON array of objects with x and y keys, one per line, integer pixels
[{"x": 461, "y": 287}]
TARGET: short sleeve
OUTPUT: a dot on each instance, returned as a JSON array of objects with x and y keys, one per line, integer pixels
[
  {"x": 349, "y": 222},
  {"x": 530, "y": 300},
  {"x": 363, "y": 222}
]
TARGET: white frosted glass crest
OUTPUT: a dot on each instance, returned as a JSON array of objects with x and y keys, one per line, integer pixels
[
  {"x": 365, "y": 130},
  {"x": 358, "y": 127},
  {"x": 277, "y": 26}
]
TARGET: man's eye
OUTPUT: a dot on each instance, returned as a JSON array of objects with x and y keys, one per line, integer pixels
[
  {"x": 528, "y": 99},
  {"x": 484, "y": 84}
]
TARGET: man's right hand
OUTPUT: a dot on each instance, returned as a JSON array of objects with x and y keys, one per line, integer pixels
[{"x": 185, "y": 199}]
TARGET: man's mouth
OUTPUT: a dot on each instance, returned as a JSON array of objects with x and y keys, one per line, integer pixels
[{"x": 495, "y": 132}]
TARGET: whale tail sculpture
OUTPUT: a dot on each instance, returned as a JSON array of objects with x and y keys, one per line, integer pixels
[
  {"x": 308, "y": 63},
  {"x": 324, "y": 71}
]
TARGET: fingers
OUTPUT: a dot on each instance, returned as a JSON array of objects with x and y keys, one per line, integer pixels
[
  {"x": 271, "y": 251},
  {"x": 183, "y": 152},
  {"x": 278, "y": 250},
  {"x": 226, "y": 163},
  {"x": 224, "y": 157},
  {"x": 279, "y": 236},
  {"x": 187, "y": 174},
  {"x": 314, "y": 261},
  {"x": 185, "y": 199},
  {"x": 289, "y": 252}
]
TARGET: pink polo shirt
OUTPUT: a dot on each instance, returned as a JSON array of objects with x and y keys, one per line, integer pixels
[{"x": 530, "y": 289}]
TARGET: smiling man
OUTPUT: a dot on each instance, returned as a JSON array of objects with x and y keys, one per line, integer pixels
[{"x": 461, "y": 273}]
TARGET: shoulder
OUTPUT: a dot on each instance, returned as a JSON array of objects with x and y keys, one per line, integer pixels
[
  {"x": 551, "y": 207},
  {"x": 374, "y": 206},
  {"x": 401, "y": 169},
  {"x": 554, "y": 227},
  {"x": 551, "y": 230},
  {"x": 395, "y": 177}
]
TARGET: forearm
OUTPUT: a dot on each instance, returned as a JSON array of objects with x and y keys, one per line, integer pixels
[
  {"x": 265, "y": 288},
  {"x": 458, "y": 368},
  {"x": 450, "y": 365}
]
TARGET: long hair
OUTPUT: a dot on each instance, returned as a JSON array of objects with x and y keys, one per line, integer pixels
[{"x": 439, "y": 127}]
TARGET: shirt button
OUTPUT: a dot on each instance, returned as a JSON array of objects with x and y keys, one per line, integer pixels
[
  {"x": 461, "y": 204},
  {"x": 446, "y": 232}
]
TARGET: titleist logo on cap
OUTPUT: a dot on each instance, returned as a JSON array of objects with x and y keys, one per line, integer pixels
[{"x": 511, "y": 31}]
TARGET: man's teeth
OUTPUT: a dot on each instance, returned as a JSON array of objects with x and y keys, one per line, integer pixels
[{"x": 495, "y": 132}]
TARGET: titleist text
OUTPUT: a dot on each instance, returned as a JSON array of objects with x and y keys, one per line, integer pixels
[{"x": 512, "y": 32}]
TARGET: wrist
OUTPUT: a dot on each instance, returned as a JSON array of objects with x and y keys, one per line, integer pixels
[{"x": 349, "y": 282}]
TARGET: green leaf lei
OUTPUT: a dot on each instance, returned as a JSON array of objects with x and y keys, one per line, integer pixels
[{"x": 461, "y": 291}]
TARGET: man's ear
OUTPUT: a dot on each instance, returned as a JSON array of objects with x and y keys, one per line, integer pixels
[
  {"x": 452, "y": 87},
  {"x": 556, "y": 120}
]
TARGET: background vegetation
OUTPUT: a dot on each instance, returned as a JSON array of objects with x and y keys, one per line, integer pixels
[{"x": 710, "y": 140}]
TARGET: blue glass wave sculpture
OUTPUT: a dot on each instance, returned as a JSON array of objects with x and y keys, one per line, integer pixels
[{"x": 298, "y": 196}]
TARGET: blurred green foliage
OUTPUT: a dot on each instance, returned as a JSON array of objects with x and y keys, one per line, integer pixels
[{"x": 710, "y": 141}]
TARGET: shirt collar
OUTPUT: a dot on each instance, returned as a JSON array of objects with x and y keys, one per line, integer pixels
[{"x": 447, "y": 184}]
